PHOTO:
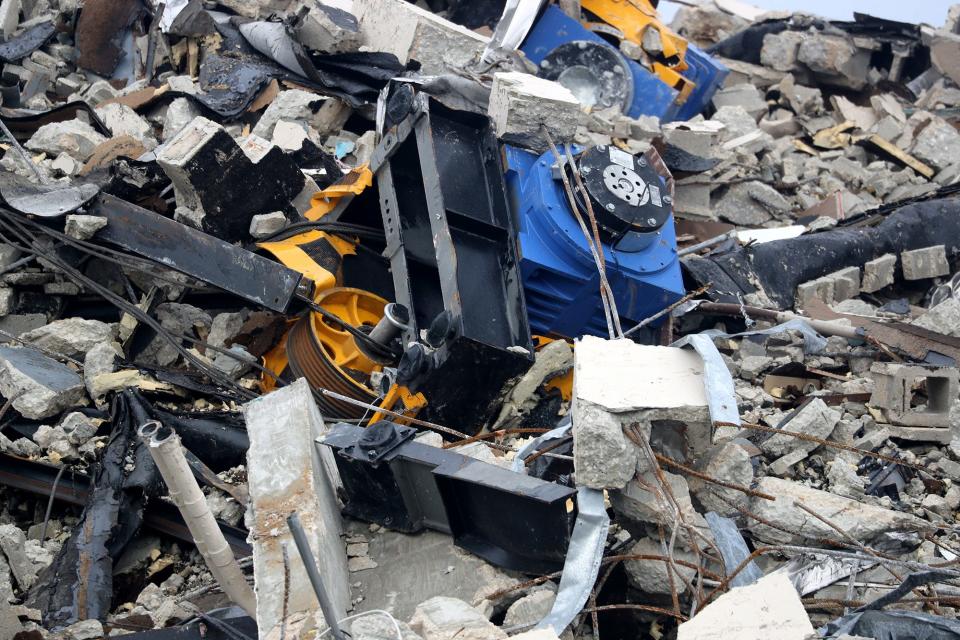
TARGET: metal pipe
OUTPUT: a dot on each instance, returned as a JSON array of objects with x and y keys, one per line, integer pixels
[
  {"x": 164, "y": 446},
  {"x": 395, "y": 319},
  {"x": 712, "y": 242},
  {"x": 310, "y": 564}
]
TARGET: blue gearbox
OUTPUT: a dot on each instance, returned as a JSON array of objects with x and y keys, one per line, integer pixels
[{"x": 633, "y": 212}]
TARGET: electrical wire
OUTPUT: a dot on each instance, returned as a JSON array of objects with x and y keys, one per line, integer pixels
[{"x": 340, "y": 228}]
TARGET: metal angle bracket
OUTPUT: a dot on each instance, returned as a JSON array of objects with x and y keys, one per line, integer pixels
[{"x": 510, "y": 519}]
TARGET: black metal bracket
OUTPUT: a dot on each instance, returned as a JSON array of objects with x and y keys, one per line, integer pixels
[{"x": 511, "y": 520}]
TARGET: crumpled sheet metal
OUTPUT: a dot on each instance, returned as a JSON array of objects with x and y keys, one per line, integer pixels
[
  {"x": 733, "y": 549},
  {"x": 582, "y": 564},
  {"x": 23, "y": 123},
  {"x": 717, "y": 381},
  {"x": 893, "y": 625},
  {"x": 22, "y": 45},
  {"x": 46, "y": 201}
]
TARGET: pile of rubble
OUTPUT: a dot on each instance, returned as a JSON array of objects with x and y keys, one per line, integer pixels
[{"x": 475, "y": 320}]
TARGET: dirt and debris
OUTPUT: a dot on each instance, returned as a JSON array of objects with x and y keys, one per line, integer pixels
[{"x": 476, "y": 320}]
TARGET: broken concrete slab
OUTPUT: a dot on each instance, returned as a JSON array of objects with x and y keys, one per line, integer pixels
[
  {"x": 863, "y": 522},
  {"x": 72, "y": 337},
  {"x": 815, "y": 419},
  {"x": 412, "y": 33},
  {"x": 943, "y": 318},
  {"x": 286, "y": 475},
  {"x": 39, "y": 386},
  {"x": 294, "y": 105},
  {"x": 769, "y": 608},
  {"x": 83, "y": 227},
  {"x": 521, "y": 103},
  {"x": 745, "y": 96},
  {"x": 751, "y": 204},
  {"x": 835, "y": 60},
  {"x": 12, "y": 543},
  {"x": 266, "y": 224},
  {"x": 928, "y": 262},
  {"x": 937, "y": 143}
]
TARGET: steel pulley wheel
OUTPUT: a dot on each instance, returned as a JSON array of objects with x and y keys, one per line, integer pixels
[{"x": 326, "y": 354}]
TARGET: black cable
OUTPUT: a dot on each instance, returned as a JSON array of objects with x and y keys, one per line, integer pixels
[
  {"x": 372, "y": 344},
  {"x": 340, "y": 228}
]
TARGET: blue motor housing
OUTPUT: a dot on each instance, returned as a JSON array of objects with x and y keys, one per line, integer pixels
[
  {"x": 560, "y": 279},
  {"x": 651, "y": 96}
]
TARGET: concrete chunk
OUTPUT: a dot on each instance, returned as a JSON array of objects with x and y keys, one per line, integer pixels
[
  {"x": 878, "y": 273},
  {"x": 12, "y": 543},
  {"x": 520, "y": 103},
  {"x": 286, "y": 475},
  {"x": 266, "y": 224},
  {"x": 894, "y": 391},
  {"x": 83, "y": 227},
  {"x": 41, "y": 386},
  {"x": 412, "y": 33},
  {"x": 71, "y": 336},
  {"x": 815, "y": 419},
  {"x": 122, "y": 120},
  {"x": 743, "y": 95},
  {"x": 652, "y": 576},
  {"x": 74, "y": 137},
  {"x": 769, "y": 608},
  {"x": 864, "y": 522},
  {"x": 202, "y": 158},
  {"x": 937, "y": 144},
  {"x": 443, "y": 618},
  {"x": 929, "y": 262}
]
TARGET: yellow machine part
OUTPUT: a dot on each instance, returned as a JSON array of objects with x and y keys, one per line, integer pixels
[
  {"x": 633, "y": 18},
  {"x": 563, "y": 382},
  {"x": 291, "y": 252},
  {"x": 351, "y": 184},
  {"x": 411, "y": 404}
]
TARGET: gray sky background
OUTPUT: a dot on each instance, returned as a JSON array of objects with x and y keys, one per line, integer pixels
[{"x": 930, "y": 11}]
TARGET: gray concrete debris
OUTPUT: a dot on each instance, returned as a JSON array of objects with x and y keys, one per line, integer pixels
[
  {"x": 815, "y": 419},
  {"x": 443, "y": 618},
  {"x": 122, "y": 120},
  {"x": 412, "y": 33},
  {"x": 653, "y": 576},
  {"x": 84, "y": 630},
  {"x": 878, "y": 273},
  {"x": 943, "y": 318},
  {"x": 863, "y": 522},
  {"x": 84, "y": 227},
  {"x": 100, "y": 359},
  {"x": 13, "y": 544},
  {"x": 293, "y": 105},
  {"x": 553, "y": 359},
  {"x": 769, "y": 608},
  {"x": 731, "y": 463},
  {"x": 286, "y": 474},
  {"x": 751, "y": 204},
  {"x": 225, "y": 327},
  {"x": 72, "y": 337},
  {"x": 377, "y": 626},
  {"x": 745, "y": 96},
  {"x": 929, "y": 262},
  {"x": 835, "y": 60},
  {"x": 73, "y": 137},
  {"x": 520, "y": 104},
  {"x": 937, "y": 144},
  {"x": 530, "y": 609},
  {"x": 325, "y": 28},
  {"x": 179, "y": 114},
  {"x": 267, "y": 224},
  {"x": 895, "y": 392},
  {"x": 40, "y": 386}
]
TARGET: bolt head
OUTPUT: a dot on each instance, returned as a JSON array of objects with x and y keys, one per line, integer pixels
[
  {"x": 651, "y": 221},
  {"x": 611, "y": 207},
  {"x": 667, "y": 199}
]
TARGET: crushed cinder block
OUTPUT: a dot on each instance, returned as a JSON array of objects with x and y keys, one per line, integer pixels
[
  {"x": 896, "y": 390},
  {"x": 769, "y": 608},
  {"x": 412, "y": 33},
  {"x": 521, "y": 103},
  {"x": 929, "y": 262},
  {"x": 286, "y": 474},
  {"x": 879, "y": 273},
  {"x": 202, "y": 157},
  {"x": 40, "y": 386},
  {"x": 862, "y": 522}
]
